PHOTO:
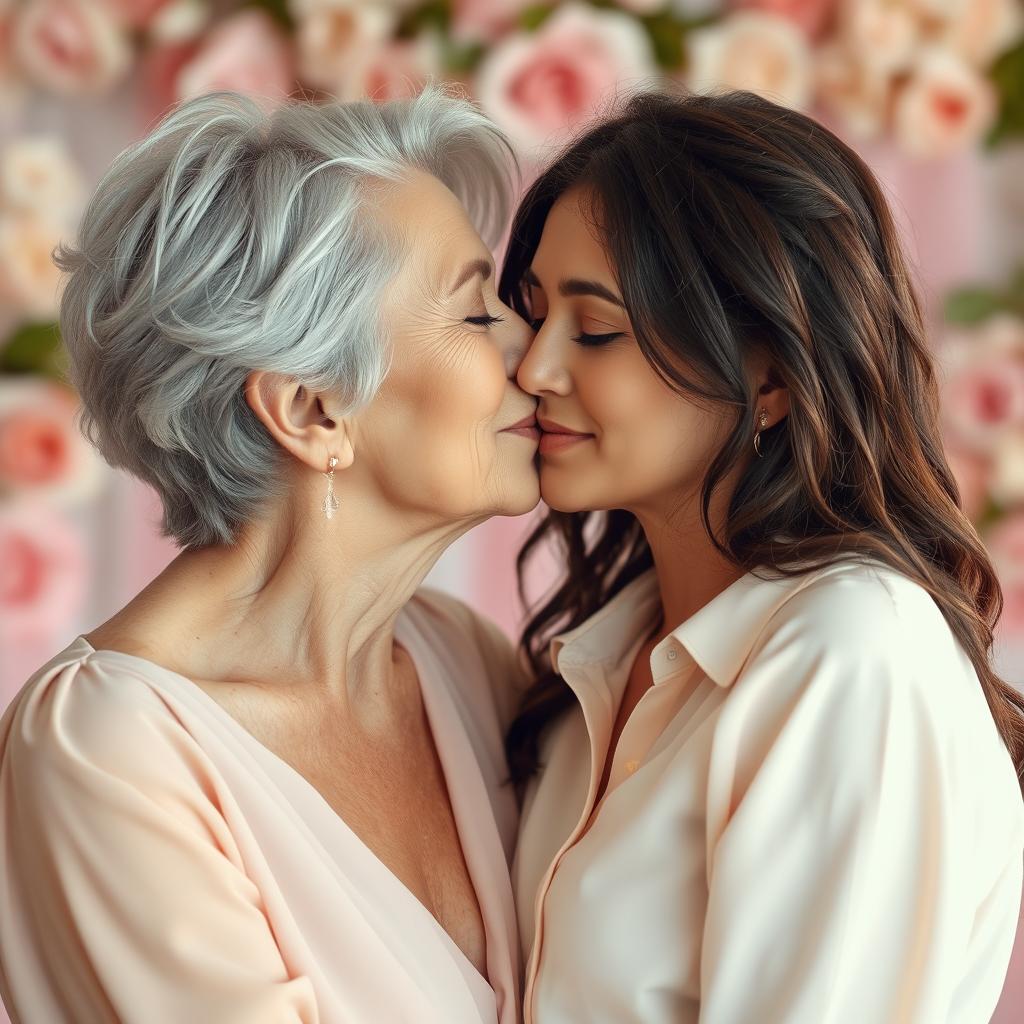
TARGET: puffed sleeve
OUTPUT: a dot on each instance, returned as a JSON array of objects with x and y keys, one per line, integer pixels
[
  {"x": 847, "y": 860},
  {"x": 125, "y": 895}
]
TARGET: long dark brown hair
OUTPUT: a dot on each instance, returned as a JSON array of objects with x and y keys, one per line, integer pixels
[{"x": 732, "y": 223}]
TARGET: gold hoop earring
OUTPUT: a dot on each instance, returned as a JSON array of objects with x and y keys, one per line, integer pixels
[
  {"x": 330, "y": 504},
  {"x": 762, "y": 419}
]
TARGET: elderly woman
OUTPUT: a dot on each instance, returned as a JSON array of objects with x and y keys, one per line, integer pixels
[{"x": 271, "y": 788}]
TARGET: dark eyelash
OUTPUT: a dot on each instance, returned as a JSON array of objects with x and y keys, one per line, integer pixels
[
  {"x": 484, "y": 321},
  {"x": 596, "y": 339}
]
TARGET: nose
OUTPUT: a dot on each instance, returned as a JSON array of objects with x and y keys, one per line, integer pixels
[
  {"x": 543, "y": 370},
  {"x": 515, "y": 341}
]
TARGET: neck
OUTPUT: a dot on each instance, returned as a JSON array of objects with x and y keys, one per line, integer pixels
[
  {"x": 691, "y": 571},
  {"x": 299, "y": 602}
]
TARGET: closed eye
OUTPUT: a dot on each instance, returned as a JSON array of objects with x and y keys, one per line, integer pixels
[
  {"x": 484, "y": 321},
  {"x": 596, "y": 339}
]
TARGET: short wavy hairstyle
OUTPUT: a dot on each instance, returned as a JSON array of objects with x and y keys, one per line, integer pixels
[{"x": 230, "y": 239}]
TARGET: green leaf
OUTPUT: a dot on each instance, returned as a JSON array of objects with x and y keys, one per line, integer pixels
[
  {"x": 989, "y": 515},
  {"x": 35, "y": 348},
  {"x": 460, "y": 58},
  {"x": 971, "y": 305},
  {"x": 533, "y": 17},
  {"x": 434, "y": 15},
  {"x": 278, "y": 10},
  {"x": 1008, "y": 77}
]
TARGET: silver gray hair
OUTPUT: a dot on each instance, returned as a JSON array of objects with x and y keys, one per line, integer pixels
[{"x": 233, "y": 239}]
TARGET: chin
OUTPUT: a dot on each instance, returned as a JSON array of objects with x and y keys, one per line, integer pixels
[
  {"x": 566, "y": 493},
  {"x": 524, "y": 500}
]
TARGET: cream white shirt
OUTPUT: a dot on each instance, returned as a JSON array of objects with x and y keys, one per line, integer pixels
[{"x": 810, "y": 816}]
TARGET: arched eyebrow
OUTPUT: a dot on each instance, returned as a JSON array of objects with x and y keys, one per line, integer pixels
[
  {"x": 575, "y": 286},
  {"x": 479, "y": 266}
]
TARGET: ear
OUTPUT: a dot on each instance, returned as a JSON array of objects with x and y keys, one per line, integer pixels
[
  {"x": 770, "y": 393},
  {"x": 300, "y": 420}
]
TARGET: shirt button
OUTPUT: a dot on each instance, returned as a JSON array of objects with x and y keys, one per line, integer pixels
[
  {"x": 631, "y": 766},
  {"x": 672, "y": 654}
]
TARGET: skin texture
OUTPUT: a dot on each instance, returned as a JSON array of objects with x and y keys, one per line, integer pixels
[
  {"x": 646, "y": 448},
  {"x": 291, "y": 628}
]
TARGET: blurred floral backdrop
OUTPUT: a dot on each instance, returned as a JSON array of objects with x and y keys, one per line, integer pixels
[{"x": 930, "y": 91}]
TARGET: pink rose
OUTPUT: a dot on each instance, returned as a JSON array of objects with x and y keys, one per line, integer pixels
[
  {"x": 539, "y": 85},
  {"x": 1005, "y": 544},
  {"x": 244, "y": 53},
  {"x": 945, "y": 106},
  {"x": 810, "y": 16},
  {"x": 70, "y": 46},
  {"x": 984, "y": 398},
  {"x": 42, "y": 448},
  {"x": 11, "y": 88},
  {"x": 135, "y": 13},
  {"x": 751, "y": 50},
  {"x": 42, "y": 566},
  {"x": 397, "y": 70}
]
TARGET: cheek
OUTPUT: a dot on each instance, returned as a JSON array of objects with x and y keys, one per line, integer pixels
[
  {"x": 647, "y": 432},
  {"x": 463, "y": 396}
]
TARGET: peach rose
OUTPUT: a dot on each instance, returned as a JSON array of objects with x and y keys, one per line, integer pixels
[
  {"x": 1007, "y": 480},
  {"x": 972, "y": 476},
  {"x": 751, "y": 50},
  {"x": 29, "y": 279},
  {"x": 244, "y": 53},
  {"x": 811, "y": 16},
  {"x": 539, "y": 85},
  {"x": 859, "y": 95},
  {"x": 977, "y": 30},
  {"x": 37, "y": 173},
  {"x": 944, "y": 107},
  {"x": 334, "y": 35},
  {"x": 178, "y": 22},
  {"x": 72, "y": 47},
  {"x": 43, "y": 566},
  {"x": 885, "y": 34}
]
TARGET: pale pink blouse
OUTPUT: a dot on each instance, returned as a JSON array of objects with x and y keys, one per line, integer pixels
[{"x": 160, "y": 865}]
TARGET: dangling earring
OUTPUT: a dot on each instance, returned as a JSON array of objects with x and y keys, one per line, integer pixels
[
  {"x": 330, "y": 505},
  {"x": 762, "y": 419}
]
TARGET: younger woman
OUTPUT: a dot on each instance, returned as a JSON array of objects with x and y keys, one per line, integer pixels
[{"x": 769, "y": 768}]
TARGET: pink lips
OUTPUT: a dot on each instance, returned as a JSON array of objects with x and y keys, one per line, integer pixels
[
  {"x": 557, "y": 437},
  {"x": 526, "y": 427}
]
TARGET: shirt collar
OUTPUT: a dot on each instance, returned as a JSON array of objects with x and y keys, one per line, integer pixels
[{"x": 718, "y": 637}]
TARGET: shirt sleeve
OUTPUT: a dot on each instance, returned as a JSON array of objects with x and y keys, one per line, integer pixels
[
  {"x": 128, "y": 899},
  {"x": 846, "y": 856}
]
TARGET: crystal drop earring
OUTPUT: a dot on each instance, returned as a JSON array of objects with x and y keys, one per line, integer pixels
[{"x": 330, "y": 503}]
